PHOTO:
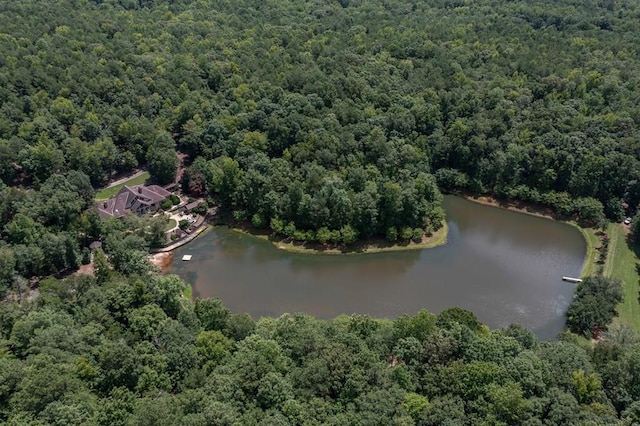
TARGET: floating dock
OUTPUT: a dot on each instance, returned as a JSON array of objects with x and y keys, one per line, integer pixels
[
  {"x": 187, "y": 257},
  {"x": 572, "y": 280}
]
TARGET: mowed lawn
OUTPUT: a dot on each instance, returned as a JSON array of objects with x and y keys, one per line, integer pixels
[
  {"x": 621, "y": 263},
  {"x": 105, "y": 193},
  {"x": 170, "y": 225},
  {"x": 593, "y": 242}
]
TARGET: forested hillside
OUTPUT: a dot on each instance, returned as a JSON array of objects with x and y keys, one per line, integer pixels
[
  {"x": 130, "y": 350},
  {"x": 334, "y": 115},
  {"x": 323, "y": 121}
]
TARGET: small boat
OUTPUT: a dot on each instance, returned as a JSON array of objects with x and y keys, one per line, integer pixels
[
  {"x": 572, "y": 280},
  {"x": 187, "y": 257}
]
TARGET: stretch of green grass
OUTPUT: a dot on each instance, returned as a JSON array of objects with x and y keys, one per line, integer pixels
[
  {"x": 621, "y": 263},
  {"x": 593, "y": 242},
  {"x": 105, "y": 193},
  {"x": 188, "y": 292},
  {"x": 170, "y": 225}
]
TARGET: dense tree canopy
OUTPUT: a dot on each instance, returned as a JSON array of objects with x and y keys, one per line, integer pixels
[
  {"x": 594, "y": 305},
  {"x": 330, "y": 118},
  {"x": 131, "y": 350},
  {"x": 324, "y": 121}
]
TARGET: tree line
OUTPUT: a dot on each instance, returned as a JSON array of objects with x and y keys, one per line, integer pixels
[{"x": 125, "y": 349}]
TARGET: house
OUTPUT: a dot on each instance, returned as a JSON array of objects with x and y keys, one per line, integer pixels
[{"x": 139, "y": 199}]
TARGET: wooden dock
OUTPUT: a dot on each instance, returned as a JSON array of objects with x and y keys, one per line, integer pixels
[{"x": 572, "y": 280}]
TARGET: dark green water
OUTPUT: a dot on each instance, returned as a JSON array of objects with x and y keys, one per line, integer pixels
[{"x": 506, "y": 267}]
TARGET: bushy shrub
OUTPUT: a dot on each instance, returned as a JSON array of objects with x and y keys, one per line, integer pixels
[
  {"x": 258, "y": 221},
  {"x": 166, "y": 204},
  {"x": 594, "y": 306}
]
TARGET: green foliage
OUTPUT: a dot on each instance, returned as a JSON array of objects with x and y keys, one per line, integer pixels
[
  {"x": 7, "y": 268},
  {"x": 635, "y": 229},
  {"x": 105, "y": 354},
  {"x": 326, "y": 121},
  {"x": 155, "y": 232},
  {"x": 212, "y": 314},
  {"x": 586, "y": 386},
  {"x": 145, "y": 321},
  {"x": 415, "y": 404},
  {"x": 508, "y": 404},
  {"x": 419, "y": 326},
  {"x": 460, "y": 316},
  {"x": 213, "y": 346},
  {"x": 162, "y": 161},
  {"x": 348, "y": 234},
  {"x": 323, "y": 235},
  {"x": 175, "y": 200},
  {"x": 406, "y": 234},
  {"x": 101, "y": 266},
  {"x": 391, "y": 234},
  {"x": 594, "y": 305}
]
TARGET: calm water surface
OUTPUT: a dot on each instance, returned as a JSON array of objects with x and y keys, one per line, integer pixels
[{"x": 504, "y": 266}]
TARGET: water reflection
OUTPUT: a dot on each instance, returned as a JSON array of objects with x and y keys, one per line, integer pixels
[{"x": 505, "y": 267}]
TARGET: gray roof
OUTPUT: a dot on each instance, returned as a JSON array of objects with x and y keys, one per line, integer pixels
[
  {"x": 95, "y": 245},
  {"x": 192, "y": 205},
  {"x": 131, "y": 199}
]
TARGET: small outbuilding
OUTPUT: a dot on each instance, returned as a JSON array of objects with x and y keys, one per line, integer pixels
[{"x": 191, "y": 206}]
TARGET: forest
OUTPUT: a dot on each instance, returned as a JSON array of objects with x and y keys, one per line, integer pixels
[
  {"x": 323, "y": 121},
  {"x": 120, "y": 349},
  {"x": 347, "y": 118}
]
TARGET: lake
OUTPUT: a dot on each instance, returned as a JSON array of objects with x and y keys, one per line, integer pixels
[{"x": 505, "y": 267}]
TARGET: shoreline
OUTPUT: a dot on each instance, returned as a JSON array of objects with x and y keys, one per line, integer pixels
[
  {"x": 379, "y": 245},
  {"x": 163, "y": 257},
  {"x": 161, "y": 260},
  {"x": 369, "y": 246},
  {"x": 514, "y": 206},
  {"x": 588, "y": 234}
]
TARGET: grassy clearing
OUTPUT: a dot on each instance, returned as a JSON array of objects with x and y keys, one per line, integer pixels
[
  {"x": 622, "y": 263},
  {"x": 368, "y": 246},
  {"x": 170, "y": 225},
  {"x": 593, "y": 243},
  {"x": 616, "y": 241},
  {"x": 188, "y": 292},
  {"x": 105, "y": 193}
]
